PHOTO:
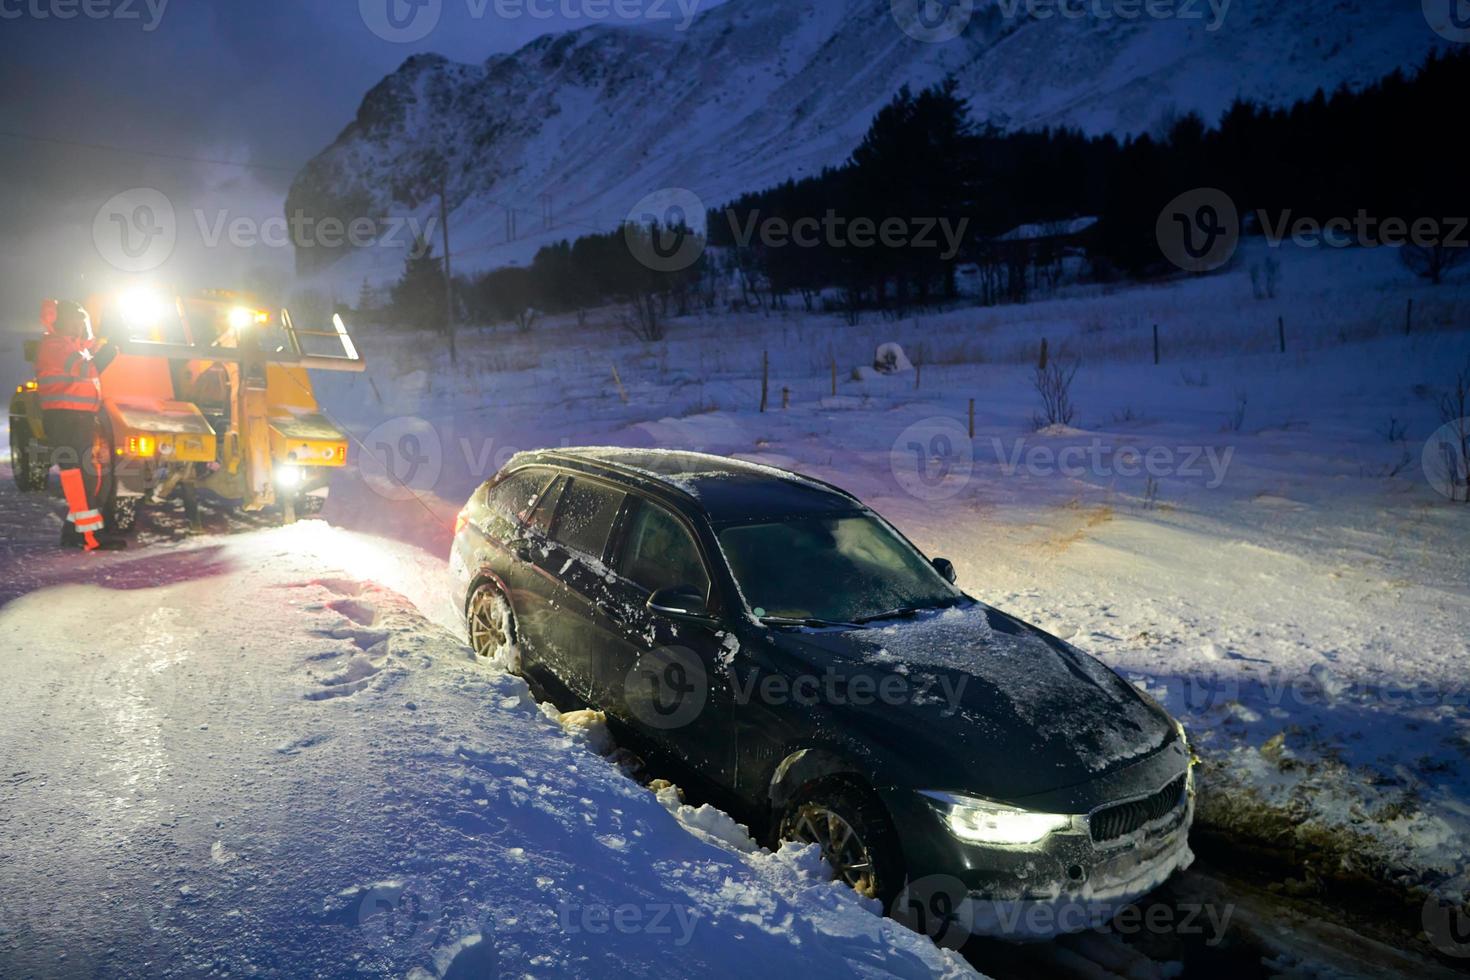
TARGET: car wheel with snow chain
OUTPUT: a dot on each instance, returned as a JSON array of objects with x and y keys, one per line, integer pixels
[
  {"x": 854, "y": 831},
  {"x": 491, "y": 626}
]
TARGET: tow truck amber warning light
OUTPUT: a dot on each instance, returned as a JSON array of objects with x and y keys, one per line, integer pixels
[{"x": 141, "y": 446}]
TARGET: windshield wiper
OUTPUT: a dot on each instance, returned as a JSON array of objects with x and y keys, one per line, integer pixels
[
  {"x": 809, "y": 622},
  {"x": 906, "y": 612}
]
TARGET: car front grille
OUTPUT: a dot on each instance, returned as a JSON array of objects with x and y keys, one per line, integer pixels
[{"x": 1122, "y": 819}]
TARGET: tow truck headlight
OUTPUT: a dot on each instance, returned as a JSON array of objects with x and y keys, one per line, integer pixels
[
  {"x": 288, "y": 477},
  {"x": 141, "y": 307},
  {"x": 243, "y": 317},
  {"x": 982, "y": 822}
]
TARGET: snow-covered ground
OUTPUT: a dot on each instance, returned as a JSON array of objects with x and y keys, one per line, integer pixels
[
  {"x": 1250, "y": 535},
  {"x": 269, "y": 753},
  {"x": 250, "y": 756}
]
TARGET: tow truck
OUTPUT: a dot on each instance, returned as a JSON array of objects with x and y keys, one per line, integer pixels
[{"x": 209, "y": 390}]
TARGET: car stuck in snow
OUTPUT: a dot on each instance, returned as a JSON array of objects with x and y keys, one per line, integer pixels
[{"x": 786, "y": 653}]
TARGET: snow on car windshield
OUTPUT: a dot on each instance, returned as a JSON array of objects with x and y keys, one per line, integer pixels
[{"x": 838, "y": 568}]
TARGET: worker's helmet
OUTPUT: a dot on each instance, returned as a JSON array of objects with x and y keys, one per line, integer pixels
[{"x": 72, "y": 320}]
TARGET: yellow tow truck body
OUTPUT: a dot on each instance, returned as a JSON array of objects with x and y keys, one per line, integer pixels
[{"x": 208, "y": 390}]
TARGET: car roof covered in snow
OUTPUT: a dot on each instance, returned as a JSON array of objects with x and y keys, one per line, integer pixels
[{"x": 724, "y": 489}]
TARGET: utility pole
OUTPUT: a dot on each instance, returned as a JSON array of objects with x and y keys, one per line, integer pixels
[{"x": 448, "y": 273}]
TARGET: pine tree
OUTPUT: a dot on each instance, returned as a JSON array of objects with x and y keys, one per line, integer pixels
[{"x": 418, "y": 297}]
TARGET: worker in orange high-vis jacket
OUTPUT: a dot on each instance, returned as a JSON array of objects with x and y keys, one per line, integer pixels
[{"x": 69, "y": 365}]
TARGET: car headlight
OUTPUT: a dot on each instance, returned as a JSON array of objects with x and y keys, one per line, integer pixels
[{"x": 983, "y": 822}]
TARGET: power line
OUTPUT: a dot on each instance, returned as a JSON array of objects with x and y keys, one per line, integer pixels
[{"x": 180, "y": 157}]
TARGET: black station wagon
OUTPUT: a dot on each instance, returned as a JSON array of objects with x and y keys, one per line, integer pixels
[{"x": 783, "y": 652}]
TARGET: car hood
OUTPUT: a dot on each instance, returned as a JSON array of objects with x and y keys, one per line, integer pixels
[{"x": 985, "y": 703}]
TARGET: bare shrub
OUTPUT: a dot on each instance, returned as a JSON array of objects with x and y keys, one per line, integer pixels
[
  {"x": 1054, "y": 384},
  {"x": 642, "y": 317},
  {"x": 1236, "y": 419},
  {"x": 1432, "y": 262},
  {"x": 1454, "y": 412}
]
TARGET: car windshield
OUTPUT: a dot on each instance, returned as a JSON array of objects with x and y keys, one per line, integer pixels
[{"x": 835, "y": 568}]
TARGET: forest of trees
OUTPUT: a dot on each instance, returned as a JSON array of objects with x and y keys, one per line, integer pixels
[{"x": 1388, "y": 149}]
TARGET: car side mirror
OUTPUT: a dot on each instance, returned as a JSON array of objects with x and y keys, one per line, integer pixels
[
  {"x": 681, "y": 602},
  {"x": 945, "y": 567}
]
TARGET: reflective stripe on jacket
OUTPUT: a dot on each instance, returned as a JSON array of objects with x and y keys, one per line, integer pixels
[{"x": 66, "y": 375}]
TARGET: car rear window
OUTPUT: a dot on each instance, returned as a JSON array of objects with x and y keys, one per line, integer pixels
[
  {"x": 659, "y": 552},
  {"x": 585, "y": 516}
]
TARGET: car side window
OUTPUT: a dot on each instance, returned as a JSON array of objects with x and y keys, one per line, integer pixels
[
  {"x": 545, "y": 508},
  {"x": 512, "y": 500},
  {"x": 585, "y": 516},
  {"x": 659, "y": 552}
]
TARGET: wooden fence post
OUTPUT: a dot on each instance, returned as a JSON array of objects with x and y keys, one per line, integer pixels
[
  {"x": 1281, "y": 331},
  {"x": 972, "y": 418},
  {"x": 765, "y": 377},
  {"x": 1041, "y": 364},
  {"x": 834, "y": 375},
  {"x": 1409, "y": 317},
  {"x": 1156, "y": 343},
  {"x": 785, "y": 398}
]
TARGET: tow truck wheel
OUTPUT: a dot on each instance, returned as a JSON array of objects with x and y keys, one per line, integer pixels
[
  {"x": 118, "y": 511},
  {"x": 26, "y": 466}
]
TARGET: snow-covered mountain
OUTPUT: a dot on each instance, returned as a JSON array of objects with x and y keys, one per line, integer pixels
[{"x": 569, "y": 132}]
